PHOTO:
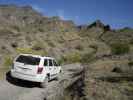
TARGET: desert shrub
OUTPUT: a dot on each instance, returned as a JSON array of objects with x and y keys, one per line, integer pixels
[
  {"x": 70, "y": 58},
  {"x": 117, "y": 70},
  {"x": 131, "y": 41},
  {"x": 87, "y": 57},
  {"x": 37, "y": 46},
  {"x": 79, "y": 47},
  {"x": 17, "y": 28},
  {"x": 24, "y": 50},
  {"x": 14, "y": 45},
  {"x": 73, "y": 57},
  {"x": 94, "y": 47},
  {"x": 31, "y": 51},
  {"x": 6, "y": 31},
  {"x": 40, "y": 29},
  {"x": 61, "y": 61},
  {"x": 119, "y": 48},
  {"x": 51, "y": 43},
  {"x": 8, "y": 61},
  {"x": 130, "y": 63}
]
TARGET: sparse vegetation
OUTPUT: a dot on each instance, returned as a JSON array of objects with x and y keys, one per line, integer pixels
[
  {"x": 7, "y": 61},
  {"x": 95, "y": 47},
  {"x": 87, "y": 58},
  {"x": 79, "y": 47},
  {"x": 73, "y": 57},
  {"x": 40, "y": 29},
  {"x": 62, "y": 60},
  {"x": 131, "y": 41},
  {"x": 6, "y": 31},
  {"x": 51, "y": 43},
  {"x": 37, "y": 46},
  {"x": 70, "y": 58},
  {"x": 31, "y": 51},
  {"x": 120, "y": 48},
  {"x": 17, "y": 28}
]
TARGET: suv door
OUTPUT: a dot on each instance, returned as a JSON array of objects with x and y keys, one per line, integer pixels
[
  {"x": 51, "y": 68},
  {"x": 55, "y": 67},
  {"x": 46, "y": 66}
]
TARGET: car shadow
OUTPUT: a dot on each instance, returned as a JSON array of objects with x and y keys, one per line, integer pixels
[{"x": 20, "y": 83}]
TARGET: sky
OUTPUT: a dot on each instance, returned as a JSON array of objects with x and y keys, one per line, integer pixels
[{"x": 116, "y": 13}]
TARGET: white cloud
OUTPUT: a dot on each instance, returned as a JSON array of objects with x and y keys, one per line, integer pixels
[
  {"x": 76, "y": 17},
  {"x": 39, "y": 9},
  {"x": 61, "y": 14}
]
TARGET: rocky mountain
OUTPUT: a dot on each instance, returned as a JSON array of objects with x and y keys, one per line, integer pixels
[{"x": 24, "y": 30}]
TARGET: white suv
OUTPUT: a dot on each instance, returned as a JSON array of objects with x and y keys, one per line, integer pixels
[{"x": 35, "y": 68}]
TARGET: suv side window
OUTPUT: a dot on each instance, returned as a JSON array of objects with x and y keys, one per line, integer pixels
[
  {"x": 45, "y": 62},
  {"x": 50, "y": 62},
  {"x": 55, "y": 64}
]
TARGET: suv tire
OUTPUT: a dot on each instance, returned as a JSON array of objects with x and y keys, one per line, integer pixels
[{"x": 44, "y": 83}]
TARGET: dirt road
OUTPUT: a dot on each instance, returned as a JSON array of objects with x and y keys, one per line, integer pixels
[{"x": 23, "y": 90}]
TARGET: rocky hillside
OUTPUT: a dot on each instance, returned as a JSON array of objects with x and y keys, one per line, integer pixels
[{"x": 24, "y": 30}]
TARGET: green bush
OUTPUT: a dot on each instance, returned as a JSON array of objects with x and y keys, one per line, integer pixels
[
  {"x": 8, "y": 61},
  {"x": 120, "y": 48}
]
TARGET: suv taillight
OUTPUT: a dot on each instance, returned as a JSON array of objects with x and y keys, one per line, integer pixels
[{"x": 39, "y": 70}]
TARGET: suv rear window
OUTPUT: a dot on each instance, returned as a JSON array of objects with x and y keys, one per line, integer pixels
[{"x": 28, "y": 60}]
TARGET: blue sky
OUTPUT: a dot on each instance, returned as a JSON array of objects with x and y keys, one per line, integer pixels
[{"x": 117, "y": 13}]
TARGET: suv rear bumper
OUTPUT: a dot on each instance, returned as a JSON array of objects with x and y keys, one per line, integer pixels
[{"x": 33, "y": 78}]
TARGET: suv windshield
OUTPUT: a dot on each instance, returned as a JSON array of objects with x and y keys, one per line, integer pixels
[{"x": 28, "y": 60}]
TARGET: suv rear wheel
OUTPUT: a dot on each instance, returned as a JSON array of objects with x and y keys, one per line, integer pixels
[{"x": 44, "y": 83}]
